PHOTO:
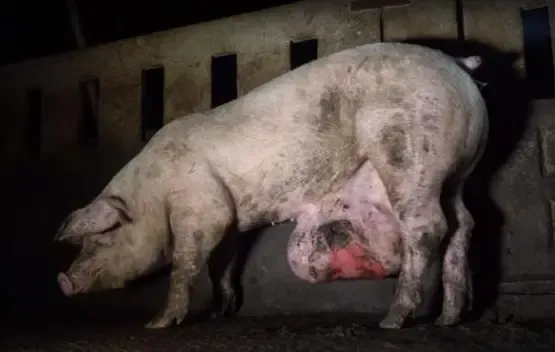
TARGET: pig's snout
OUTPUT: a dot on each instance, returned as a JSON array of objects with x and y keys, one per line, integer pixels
[{"x": 66, "y": 285}]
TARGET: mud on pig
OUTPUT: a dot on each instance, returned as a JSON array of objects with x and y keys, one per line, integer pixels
[{"x": 354, "y": 147}]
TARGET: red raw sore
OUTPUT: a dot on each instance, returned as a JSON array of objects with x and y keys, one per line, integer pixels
[{"x": 352, "y": 262}]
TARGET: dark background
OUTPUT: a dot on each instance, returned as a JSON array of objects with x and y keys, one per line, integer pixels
[{"x": 30, "y": 29}]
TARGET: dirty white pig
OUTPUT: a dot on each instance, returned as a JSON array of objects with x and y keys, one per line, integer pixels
[{"x": 355, "y": 147}]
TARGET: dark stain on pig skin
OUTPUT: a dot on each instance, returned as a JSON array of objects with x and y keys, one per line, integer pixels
[
  {"x": 312, "y": 272},
  {"x": 455, "y": 261},
  {"x": 425, "y": 144},
  {"x": 319, "y": 244},
  {"x": 374, "y": 66},
  {"x": 153, "y": 172},
  {"x": 198, "y": 236},
  {"x": 402, "y": 214},
  {"x": 330, "y": 110},
  {"x": 173, "y": 150},
  {"x": 379, "y": 78},
  {"x": 429, "y": 242},
  {"x": 324, "y": 173},
  {"x": 394, "y": 142},
  {"x": 396, "y": 96},
  {"x": 397, "y": 249},
  {"x": 337, "y": 234},
  {"x": 430, "y": 122},
  {"x": 407, "y": 207},
  {"x": 301, "y": 92},
  {"x": 246, "y": 201}
]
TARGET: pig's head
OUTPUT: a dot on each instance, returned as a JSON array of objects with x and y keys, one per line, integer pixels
[{"x": 112, "y": 248}]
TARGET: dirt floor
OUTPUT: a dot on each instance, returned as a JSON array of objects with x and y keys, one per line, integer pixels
[{"x": 287, "y": 333}]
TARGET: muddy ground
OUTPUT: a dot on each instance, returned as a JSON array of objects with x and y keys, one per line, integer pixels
[{"x": 277, "y": 333}]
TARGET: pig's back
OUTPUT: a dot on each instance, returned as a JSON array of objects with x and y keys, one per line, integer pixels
[
  {"x": 371, "y": 86},
  {"x": 392, "y": 103}
]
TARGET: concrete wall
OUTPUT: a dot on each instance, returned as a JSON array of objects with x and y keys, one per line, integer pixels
[
  {"x": 65, "y": 175},
  {"x": 260, "y": 40}
]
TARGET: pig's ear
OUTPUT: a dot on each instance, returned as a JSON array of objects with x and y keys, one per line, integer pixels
[
  {"x": 470, "y": 62},
  {"x": 100, "y": 216}
]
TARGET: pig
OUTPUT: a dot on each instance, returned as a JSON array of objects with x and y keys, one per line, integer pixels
[{"x": 354, "y": 147}]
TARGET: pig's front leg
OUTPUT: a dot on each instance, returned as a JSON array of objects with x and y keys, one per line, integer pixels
[{"x": 196, "y": 232}]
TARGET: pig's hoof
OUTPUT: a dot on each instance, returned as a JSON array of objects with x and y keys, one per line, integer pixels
[
  {"x": 225, "y": 309},
  {"x": 391, "y": 322},
  {"x": 447, "y": 320},
  {"x": 166, "y": 320},
  {"x": 230, "y": 307}
]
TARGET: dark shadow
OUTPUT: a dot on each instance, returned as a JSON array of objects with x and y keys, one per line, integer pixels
[
  {"x": 234, "y": 244},
  {"x": 37, "y": 195},
  {"x": 508, "y": 103}
]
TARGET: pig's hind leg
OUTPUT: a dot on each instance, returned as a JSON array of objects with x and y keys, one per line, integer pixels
[
  {"x": 225, "y": 302},
  {"x": 457, "y": 281},
  {"x": 197, "y": 228},
  {"x": 423, "y": 228}
]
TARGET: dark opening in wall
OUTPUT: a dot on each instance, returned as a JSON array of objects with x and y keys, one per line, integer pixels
[
  {"x": 89, "y": 91},
  {"x": 459, "y": 15},
  {"x": 34, "y": 118},
  {"x": 302, "y": 52},
  {"x": 538, "y": 52},
  {"x": 224, "y": 79},
  {"x": 152, "y": 101}
]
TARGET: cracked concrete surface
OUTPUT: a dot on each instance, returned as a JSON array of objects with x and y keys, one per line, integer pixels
[{"x": 281, "y": 333}]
